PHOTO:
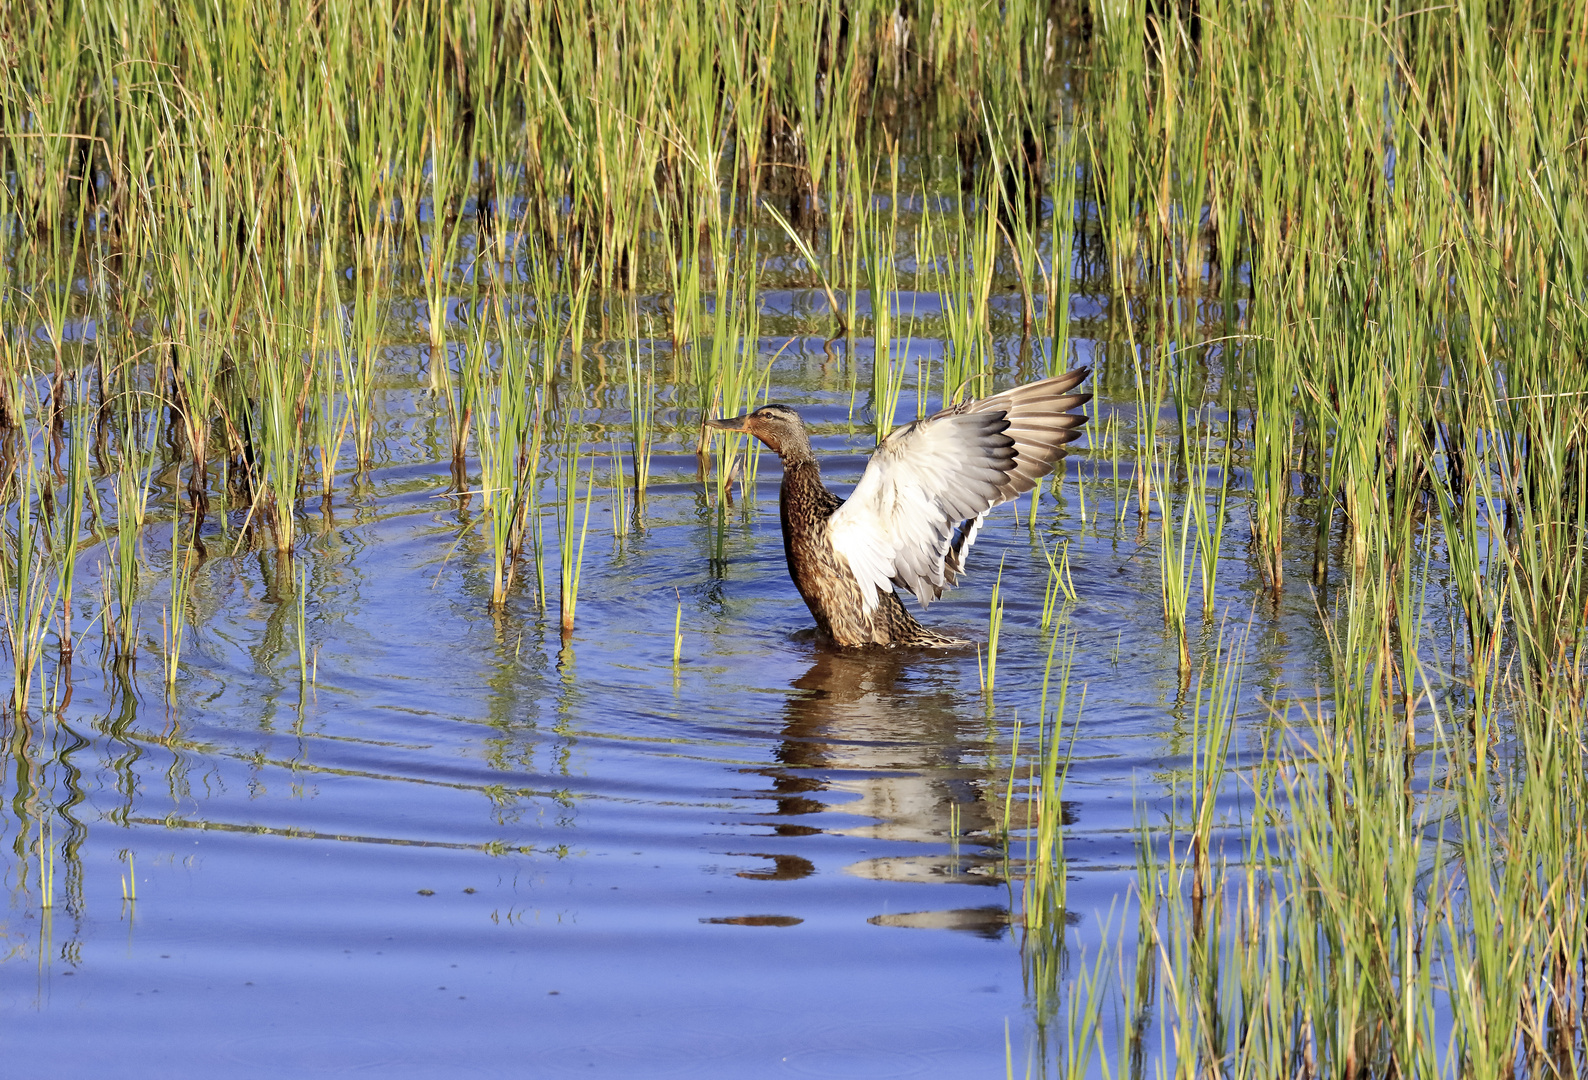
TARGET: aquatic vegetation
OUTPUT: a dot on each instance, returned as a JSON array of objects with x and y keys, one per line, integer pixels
[
  {"x": 995, "y": 619},
  {"x": 1354, "y": 916},
  {"x": 1341, "y": 243},
  {"x": 572, "y": 527},
  {"x": 31, "y": 584},
  {"x": 1060, "y": 584},
  {"x": 964, "y": 279}
]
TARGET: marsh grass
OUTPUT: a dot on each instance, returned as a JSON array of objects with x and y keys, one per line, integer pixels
[
  {"x": 1390, "y": 901},
  {"x": 1060, "y": 584},
  {"x": 640, "y": 388},
  {"x": 300, "y": 621},
  {"x": 184, "y": 563},
  {"x": 1043, "y": 896},
  {"x": 32, "y": 584},
  {"x": 573, "y": 527},
  {"x": 1176, "y": 563},
  {"x": 1344, "y": 243},
  {"x": 995, "y": 621},
  {"x": 964, "y": 283}
]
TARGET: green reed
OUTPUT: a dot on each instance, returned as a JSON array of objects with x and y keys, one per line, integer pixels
[
  {"x": 438, "y": 247},
  {"x": 31, "y": 584},
  {"x": 876, "y": 235},
  {"x": 847, "y": 259},
  {"x": 1059, "y": 584},
  {"x": 572, "y": 529},
  {"x": 1203, "y": 463},
  {"x": 1043, "y": 890},
  {"x": 678, "y": 635},
  {"x": 728, "y": 373},
  {"x": 1176, "y": 560},
  {"x": 130, "y": 491},
  {"x": 821, "y": 100},
  {"x": 995, "y": 622},
  {"x": 528, "y": 523},
  {"x": 184, "y": 564},
  {"x": 1014, "y": 198},
  {"x": 1395, "y": 906},
  {"x": 622, "y": 515},
  {"x": 1374, "y": 210},
  {"x": 640, "y": 386},
  {"x": 1063, "y": 184},
  {"x": 497, "y": 399},
  {"x": 964, "y": 283},
  {"x": 276, "y": 433},
  {"x": 129, "y": 880},
  {"x": 69, "y": 532},
  {"x": 300, "y": 623}
]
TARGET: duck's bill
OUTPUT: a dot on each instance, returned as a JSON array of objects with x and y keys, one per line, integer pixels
[{"x": 728, "y": 423}]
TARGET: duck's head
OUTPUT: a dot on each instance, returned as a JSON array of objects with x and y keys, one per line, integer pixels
[{"x": 779, "y": 426}]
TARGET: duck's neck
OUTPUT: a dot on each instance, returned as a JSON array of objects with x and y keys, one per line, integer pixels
[
  {"x": 805, "y": 503},
  {"x": 795, "y": 449},
  {"x": 802, "y": 479}
]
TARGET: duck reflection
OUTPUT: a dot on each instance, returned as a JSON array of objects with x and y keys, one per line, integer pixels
[{"x": 887, "y": 727}]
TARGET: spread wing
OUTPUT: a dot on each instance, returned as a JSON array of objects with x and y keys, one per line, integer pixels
[{"x": 918, "y": 506}]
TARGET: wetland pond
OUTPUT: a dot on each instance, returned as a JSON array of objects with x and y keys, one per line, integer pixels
[
  {"x": 468, "y": 848},
  {"x": 401, "y": 682}
]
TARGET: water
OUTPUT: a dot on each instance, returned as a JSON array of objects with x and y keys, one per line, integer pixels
[{"x": 466, "y": 849}]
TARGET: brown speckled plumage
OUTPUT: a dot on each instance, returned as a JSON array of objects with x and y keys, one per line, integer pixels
[
  {"x": 914, "y": 515},
  {"x": 824, "y": 580}
]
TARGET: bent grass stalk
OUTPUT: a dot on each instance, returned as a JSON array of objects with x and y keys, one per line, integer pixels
[
  {"x": 1059, "y": 583},
  {"x": 804, "y": 248}
]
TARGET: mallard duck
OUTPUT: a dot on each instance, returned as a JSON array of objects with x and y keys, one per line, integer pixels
[{"x": 915, "y": 513}]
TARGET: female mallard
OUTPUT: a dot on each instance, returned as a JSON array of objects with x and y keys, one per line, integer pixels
[{"x": 916, "y": 511}]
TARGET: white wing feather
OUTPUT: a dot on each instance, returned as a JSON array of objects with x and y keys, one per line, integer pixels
[{"x": 924, "y": 494}]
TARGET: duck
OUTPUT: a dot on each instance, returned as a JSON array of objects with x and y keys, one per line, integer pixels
[{"x": 912, "y": 518}]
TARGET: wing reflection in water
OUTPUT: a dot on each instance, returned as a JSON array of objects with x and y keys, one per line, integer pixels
[{"x": 889, "y": 728}]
